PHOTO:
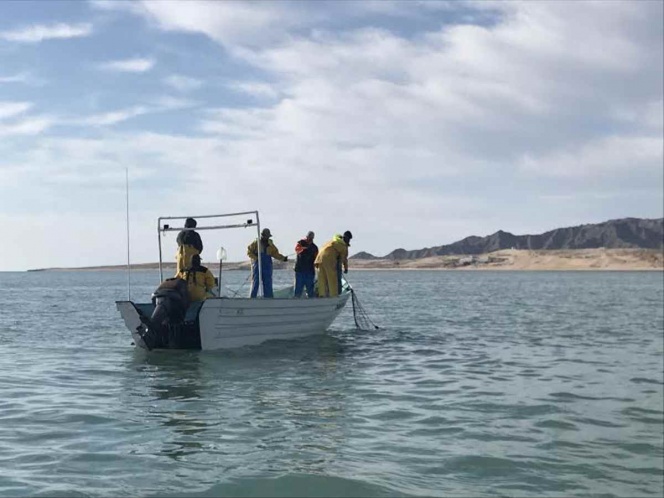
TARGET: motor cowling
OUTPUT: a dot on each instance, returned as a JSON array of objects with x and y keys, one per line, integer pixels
[{"x": 165, "y": 326}]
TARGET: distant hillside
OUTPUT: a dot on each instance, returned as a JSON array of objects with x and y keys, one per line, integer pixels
[
  {"x": 363, "y": 255},
  {"x": 614, "y": 234}
]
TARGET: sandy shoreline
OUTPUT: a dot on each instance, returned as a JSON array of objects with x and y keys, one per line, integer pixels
[
  {"x": 554, "y": 260},
  {"x": 508, "y": 259}
]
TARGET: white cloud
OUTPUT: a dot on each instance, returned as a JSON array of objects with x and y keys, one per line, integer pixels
[
  {"x": 247, "y": 123},
  {"x": 371, "y": 117},
  {"x": 253, "y": 24},
  {"x": 183, "y": 83},
  {"x": 134, "y": 65},
  {"x": 255, "y": 89},
  {"x": 114, "y": 5},
  {"x": 228, "y": 22},
  {"x": 645, "y": 114},
  {"x": 10, "y": 109},
  {"x": 40, "y": 32},
  {"x": 16, "y": 78},
  {"x": 169, "y": 103},
  {"x": 24, "y": 78},
  {"x": 601, "y": 157},
  {"x": 406, "y": 140},
  {"x": 26, "y": 126},
  {"x": 16, "y": 120},
  {"x": 159, "y": 104},
  {"x": 114, "y": 117}
]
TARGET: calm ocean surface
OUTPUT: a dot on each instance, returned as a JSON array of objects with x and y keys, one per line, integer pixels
[{"x": 478, "y": 384}]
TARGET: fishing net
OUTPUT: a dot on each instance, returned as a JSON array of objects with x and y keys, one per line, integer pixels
[
  {"x": 240, "y": 288},
  {"x": 360, "y": 315}
]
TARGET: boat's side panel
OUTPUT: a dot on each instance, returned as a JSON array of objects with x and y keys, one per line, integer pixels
[
  {"x": 229, "y": 323},
  {"x": 132, "y": 320}
]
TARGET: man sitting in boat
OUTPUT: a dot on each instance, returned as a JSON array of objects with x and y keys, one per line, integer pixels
[
  {"x": 200, "y": 281},
  {"x": 189, "y": 243},
  {"x": 268, "y": 251},
  {"x": 332, "y": 256}
]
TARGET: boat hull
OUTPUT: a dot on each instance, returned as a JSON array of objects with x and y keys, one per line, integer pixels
[{"x": 236, "y": 322}]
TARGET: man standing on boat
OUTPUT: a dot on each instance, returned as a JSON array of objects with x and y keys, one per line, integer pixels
[
  {"x": 305, "y": 272},
  {"x": 331, "y": 258},
  {"x": 200, "y": 281},
  {"x": 268, "y": 251},
  {"x": 189, "y": 243}
]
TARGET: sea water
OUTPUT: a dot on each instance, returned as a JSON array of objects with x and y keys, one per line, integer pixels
[{"x": 476, "y": 384}]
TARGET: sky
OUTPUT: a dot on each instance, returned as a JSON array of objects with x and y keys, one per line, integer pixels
[{"x": 412, "y": 124}]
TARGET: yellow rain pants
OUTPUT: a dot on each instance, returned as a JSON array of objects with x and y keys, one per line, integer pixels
[{"x": 327, "y": 279}]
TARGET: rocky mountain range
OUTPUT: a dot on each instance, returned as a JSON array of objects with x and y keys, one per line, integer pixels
[{"x": 612, "y": 234}]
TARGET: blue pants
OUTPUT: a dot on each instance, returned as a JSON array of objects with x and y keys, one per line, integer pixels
[
  {"x": 304, "y": 279},
  {"x": 267, "y": 276}
]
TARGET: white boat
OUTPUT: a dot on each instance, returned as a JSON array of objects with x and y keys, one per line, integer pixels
[{"x": 230, "y": 322}]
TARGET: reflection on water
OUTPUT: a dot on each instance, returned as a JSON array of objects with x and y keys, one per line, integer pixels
[
  {"x": 170, "y": 374},
  {"x": 280, "y": 397},
  {"x": 168, "y": 382}
]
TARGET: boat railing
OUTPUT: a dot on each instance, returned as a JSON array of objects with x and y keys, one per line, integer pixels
[{"x": 166, "y": 227}]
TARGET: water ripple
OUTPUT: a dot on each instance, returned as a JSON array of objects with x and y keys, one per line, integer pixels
[{"x": 477, "y": 385}]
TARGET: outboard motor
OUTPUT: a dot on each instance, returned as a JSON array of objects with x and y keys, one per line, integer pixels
[{"x": 166, "y": 325}]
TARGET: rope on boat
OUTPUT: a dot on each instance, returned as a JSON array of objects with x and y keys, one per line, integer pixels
[
  {"x": 243, "y": 284},
  {"x": 247, "y": 280}
]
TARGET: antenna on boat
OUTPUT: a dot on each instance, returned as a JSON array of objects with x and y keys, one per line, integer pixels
[
  {"x": 221, "y": 256},
  {"x": 128, "y": 260},
  {"x": 258, "y": 252}
]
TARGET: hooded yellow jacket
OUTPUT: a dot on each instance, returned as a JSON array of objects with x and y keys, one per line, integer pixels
[
  {"x": 333, "y": 251},
  {"x": 199, "y": 282}
]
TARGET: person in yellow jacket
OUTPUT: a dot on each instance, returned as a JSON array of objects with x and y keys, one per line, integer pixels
[
  {"x": 189, "y": 243},
  {"x": 268, "y": 251},
  {"x": 332, "y": 256},
  {"x": 200, "y": 281}
]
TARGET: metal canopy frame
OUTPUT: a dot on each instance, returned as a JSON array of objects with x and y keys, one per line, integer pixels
[{"x": 167, "y": 228}]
